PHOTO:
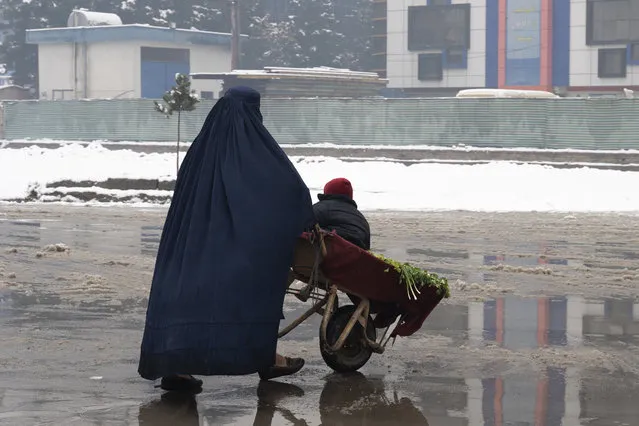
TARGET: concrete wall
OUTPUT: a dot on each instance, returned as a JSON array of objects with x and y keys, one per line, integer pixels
[
  {"x": 111, "y": 71},
  {"x": 55, "y": 70},
  {"x": 114, "y": 69},
  {"x": 209, "y": 59}
]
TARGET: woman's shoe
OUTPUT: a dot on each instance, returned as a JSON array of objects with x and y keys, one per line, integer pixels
[
  {"x": 293, "y": 365},
  {"x": 181, "y": 384}
]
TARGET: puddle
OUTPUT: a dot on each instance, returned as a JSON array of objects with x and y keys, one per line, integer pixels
[
  {"x": 487, "y": 362},
  {"x": 555, "y": 397},
  {"x": 101, "y": 238},
  {"x": 144, "y": 240}
]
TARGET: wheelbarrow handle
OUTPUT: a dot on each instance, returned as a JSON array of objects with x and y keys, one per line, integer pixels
[{"x": 318, "y": 231}]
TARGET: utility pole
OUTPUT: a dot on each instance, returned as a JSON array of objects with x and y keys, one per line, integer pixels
[{"x": 235, "y": 35}]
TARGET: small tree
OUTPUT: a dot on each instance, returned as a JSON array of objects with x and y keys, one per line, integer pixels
[{"x": 181, "y": 99}]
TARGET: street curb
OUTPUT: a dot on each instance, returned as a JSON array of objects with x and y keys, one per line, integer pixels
[{"x": 401, "y": 155}]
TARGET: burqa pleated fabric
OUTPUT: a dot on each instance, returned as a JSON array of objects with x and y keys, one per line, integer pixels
[{"x": 226, "y": 249}]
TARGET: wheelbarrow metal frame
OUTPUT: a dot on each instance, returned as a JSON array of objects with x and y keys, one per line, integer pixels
[
  {"x": 325, "y": 297},
  {"x": 325, "y": 306}
]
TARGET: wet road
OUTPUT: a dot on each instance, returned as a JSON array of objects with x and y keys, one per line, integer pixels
[{"x": 542, "y": 328}]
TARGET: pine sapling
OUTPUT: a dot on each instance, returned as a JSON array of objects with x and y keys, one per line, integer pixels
[{"x": 180, "y": 98}]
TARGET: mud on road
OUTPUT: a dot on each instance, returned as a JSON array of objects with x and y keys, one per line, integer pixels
[{"x": 542, "y": 326}]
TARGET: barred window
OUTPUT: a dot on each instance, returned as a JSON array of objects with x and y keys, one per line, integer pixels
[
  {"x": 612, "y": 63},
  {"x": 430, "y": 67}
]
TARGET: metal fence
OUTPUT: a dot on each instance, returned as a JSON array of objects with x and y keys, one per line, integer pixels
[{"x": 531, "y": 123}]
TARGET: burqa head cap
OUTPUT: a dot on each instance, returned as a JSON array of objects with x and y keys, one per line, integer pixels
[{"x": 246, "y": 95}]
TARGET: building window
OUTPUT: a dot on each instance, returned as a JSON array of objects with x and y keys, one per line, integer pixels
[
  {"x": 163, "y": 54},
  {"x": 207, "y": 95},
  {"x": 438, "y": 27},
  {"x": 439, "y": 2},
  {"x": 612, "y": 22},
  {"x": 612, "y": 63},
  {"x": 455, "y": 59},
  {"x": 633, "y": 54},
  {"x": 430, "y": 67}
]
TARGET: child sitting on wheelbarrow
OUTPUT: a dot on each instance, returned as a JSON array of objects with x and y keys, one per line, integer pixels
[{"x": 337, "y": 211}]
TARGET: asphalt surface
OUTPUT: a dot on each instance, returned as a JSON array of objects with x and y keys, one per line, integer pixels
[{"x": 542, "y": 327}]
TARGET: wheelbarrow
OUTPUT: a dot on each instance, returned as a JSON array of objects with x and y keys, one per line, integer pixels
[{"x": 327, "y": 264}]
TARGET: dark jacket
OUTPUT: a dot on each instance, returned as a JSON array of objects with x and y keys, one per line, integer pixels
[{"x": 339, "y": 213}]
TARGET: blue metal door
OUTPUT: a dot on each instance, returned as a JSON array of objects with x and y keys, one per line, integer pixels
[
  {"x": 158, "y": 77},
  {"x": 159, "y": 67},
  {"x": 153, "y": 79}
]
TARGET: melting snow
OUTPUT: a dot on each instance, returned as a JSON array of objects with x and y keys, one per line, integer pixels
[{"x": 497, "y": 186}]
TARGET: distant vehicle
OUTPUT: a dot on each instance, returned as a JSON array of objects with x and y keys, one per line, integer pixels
[{"x": 504, "y": 93}]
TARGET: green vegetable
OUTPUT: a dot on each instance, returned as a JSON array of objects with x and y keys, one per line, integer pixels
[{"x": 415, "y": 278}]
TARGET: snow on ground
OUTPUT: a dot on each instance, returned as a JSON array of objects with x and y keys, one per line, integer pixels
[{"x": 497, "y": 186}]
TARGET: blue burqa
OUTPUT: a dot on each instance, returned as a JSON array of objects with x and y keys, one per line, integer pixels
[{"x": 226, "y": 249}]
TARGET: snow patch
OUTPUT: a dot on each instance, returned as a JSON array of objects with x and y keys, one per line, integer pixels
[
  {"x": 57, "y": 248},
  {"x": 539, "y": 270},
  {"x": 53, "y": 248},
  {"x": 379, "y": 185}
]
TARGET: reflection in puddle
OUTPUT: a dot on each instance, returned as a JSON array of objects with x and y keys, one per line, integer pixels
[
  {"x": 527, "y": 323},
  {"x": 21, "y": 234},
  {"x": 353, "y": 399},
  {"x": 554, "y": 397},
  {"x": 127, "y": 240},
  {"x": 546, "y": 401},
  {"x": 6, "y": 303},
  {"x": 271, "y": 401},
  {"x": 173, "y": 408},
  {"x": 521, "y": 324},
  {"x": 452, "y": 254},
  {"x": 522, "y": 260}
]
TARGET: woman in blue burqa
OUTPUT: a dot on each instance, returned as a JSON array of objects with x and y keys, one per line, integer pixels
[{"x": 226, "y": 248}]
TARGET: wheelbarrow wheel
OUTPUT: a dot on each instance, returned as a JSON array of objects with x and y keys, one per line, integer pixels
[{"x": 355, "y": 353}]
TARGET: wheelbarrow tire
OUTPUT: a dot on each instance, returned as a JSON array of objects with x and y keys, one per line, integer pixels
[{"x": 356, "y": 352}]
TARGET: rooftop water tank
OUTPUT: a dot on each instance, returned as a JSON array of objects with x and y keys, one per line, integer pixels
[{"x": 86, "y": 18}]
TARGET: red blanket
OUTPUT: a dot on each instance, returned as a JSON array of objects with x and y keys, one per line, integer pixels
[{"x": 361, "y": 274}]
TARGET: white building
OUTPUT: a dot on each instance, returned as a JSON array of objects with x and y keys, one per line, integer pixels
[
  {"x": 568, "y": 46},
  {"x": 96, "y": 56}
]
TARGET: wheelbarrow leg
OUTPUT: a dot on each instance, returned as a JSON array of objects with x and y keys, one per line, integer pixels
[
  {"x": 328, "y": 312},
  {"x": 363, "y": 306},
  {"x": 306, "y": 315}
]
